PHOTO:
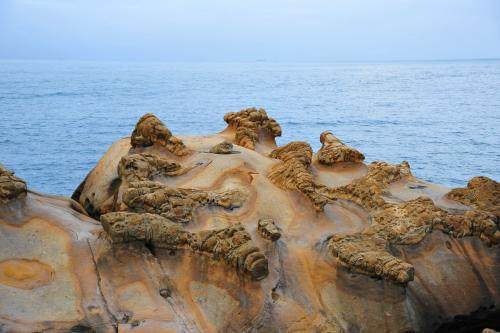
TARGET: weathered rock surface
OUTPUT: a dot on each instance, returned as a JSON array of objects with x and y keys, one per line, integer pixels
[
  {"x": 294, "y": 172},
  {"x": 150, "y": 130},
  {"x": 11, "y": 187},
  {"x": 481, "y": 193},
  {"x": 184, "y": 244},
  {"x": 335, "y": 151},
  {"x": 268, "y": 229},
  {"x": 250, "y": 125},
  {"x": 222, "y": 148},
  {"x": 176, "y": 204}
]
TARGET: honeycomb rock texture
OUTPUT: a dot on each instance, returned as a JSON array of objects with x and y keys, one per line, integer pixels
[
  {"x": 293, "y": 172},
  {"x": 176, "y": 204},
  {"x": 149, "y": 131},
  {"x": 481, "y": 193},
  {"x": 249, "y": 123},
  {"x": 233, "y": 245},
  {"x": 11, "y": 187},
  {"x": 335, "y": 151},
  {"x": 137, "y": 167}
]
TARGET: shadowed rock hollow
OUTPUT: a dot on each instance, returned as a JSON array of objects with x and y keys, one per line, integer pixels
[{"x": 230, "y": 233}]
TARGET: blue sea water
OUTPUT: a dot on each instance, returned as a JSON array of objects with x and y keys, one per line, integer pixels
[{"x": 58, "y": 118}]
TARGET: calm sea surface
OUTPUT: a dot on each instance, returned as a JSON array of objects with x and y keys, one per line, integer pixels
[{"x": 58, "y": 118}]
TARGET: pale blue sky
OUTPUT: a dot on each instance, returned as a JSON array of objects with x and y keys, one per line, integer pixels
[{"x": 244, "y": 30}]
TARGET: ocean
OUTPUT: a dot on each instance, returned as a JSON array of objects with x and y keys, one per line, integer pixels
[{"x": 57, "y": 118}]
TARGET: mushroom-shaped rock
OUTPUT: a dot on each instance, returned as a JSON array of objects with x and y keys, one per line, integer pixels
[
  {"x": 335, "y": 151},
  {"x": 249, "y": 124},
  {"x": 11, "y": 187},
  {"x": 149, "y": 131}
]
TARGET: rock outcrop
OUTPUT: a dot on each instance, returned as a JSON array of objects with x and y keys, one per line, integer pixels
[
  {"x": 150, "y": 131},
  {"x": 178, "y": 239},
  {"x": 137, "y": 167},
  {"x": 268, "y": 229},
  {"x": 233, "y": 244},
  {"x": 222, "y": 148},
  {"x": 481, "y": 193},
  {"x": 407, "y": 223},
  {"x": 249, "y": 124},
  {"x": 177, "y": 204},
  {"x": 335, "y": 151},
  {"x": 11, "y": 187},
  {"x": 294, "y": 173}
]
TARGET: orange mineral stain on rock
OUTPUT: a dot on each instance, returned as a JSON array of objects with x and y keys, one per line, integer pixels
[{"x": 25, "y": 273}]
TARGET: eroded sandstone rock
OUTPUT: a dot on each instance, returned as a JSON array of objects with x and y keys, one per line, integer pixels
[
  {"x": 222, "y": 148},
  {"x": 233, "y": 244},
  {"x": 268, "y": 229},
  {"x": 248, "y": 124},
  {"x": 370, "y": 256},
  {"x": 123, "y": 227},
  {"x": 175, "y": 203},
  {"x": 481, "y": 193},
  {"x": 294, "y": 173},
  {"x": 406, "y": 223},
  {"x": 150, "y": 130},
  {"x": 145, "y": 166},
  {"x": 368, "y": 190},
  {"x": 11, "y": 187},
  {"x": 334, "y": 151}
]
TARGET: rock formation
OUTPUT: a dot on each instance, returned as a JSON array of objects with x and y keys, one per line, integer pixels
[
  {"x": 249, "y": 124},
  {"x": 188, "y": 241},
  {"x": 481, "y": 193},
  {"x": 232, "y": 244},
  {"x": 138, "y": 167},
  {"x": 294, "y": 173},
  {"x": 176, "y": 204},
  {"x": 222, "y": 148},
  {"x": 335, "y": 151},
  {"x": 268, "y": 229},
  {"x": 150, "y": 130},
  {"x": 11, "y": 187}
]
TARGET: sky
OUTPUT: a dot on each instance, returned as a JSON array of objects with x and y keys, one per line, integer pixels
[{"x": 249, "y": 30}]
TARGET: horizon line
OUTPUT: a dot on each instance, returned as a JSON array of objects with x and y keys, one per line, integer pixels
[{"x": 251, "y": 61}]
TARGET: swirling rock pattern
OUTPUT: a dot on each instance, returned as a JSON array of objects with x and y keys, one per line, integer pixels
[{"x": 185, "y": 242}]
